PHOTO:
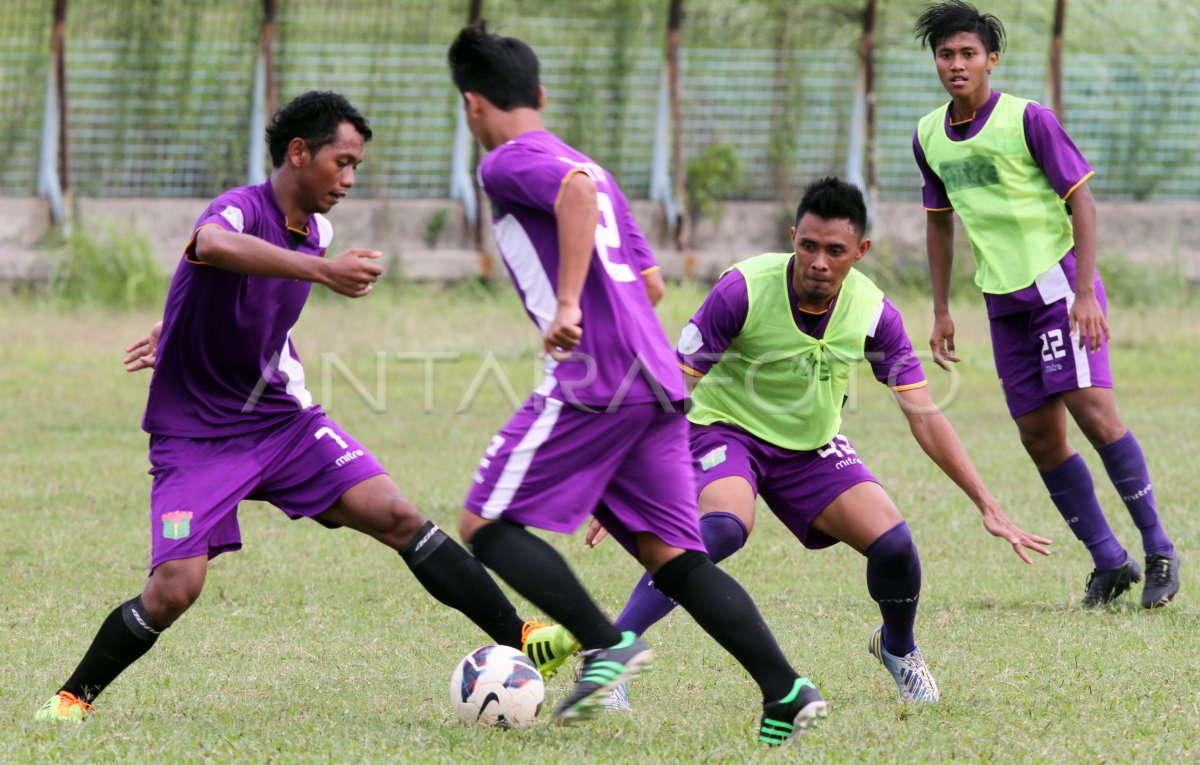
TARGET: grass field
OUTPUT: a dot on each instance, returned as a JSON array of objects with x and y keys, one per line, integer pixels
[{"x": 317, "y": 646}]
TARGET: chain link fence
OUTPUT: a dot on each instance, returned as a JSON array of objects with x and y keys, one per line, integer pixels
[{"x": 160, "y": 93}]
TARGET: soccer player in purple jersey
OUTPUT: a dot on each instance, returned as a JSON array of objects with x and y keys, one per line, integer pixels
[
  {"x": 1019, "y": 186},
  {"x": 605, "y": 429},
  {"x": 769, "y": 355},
  {"x": 230, "y": 418}
]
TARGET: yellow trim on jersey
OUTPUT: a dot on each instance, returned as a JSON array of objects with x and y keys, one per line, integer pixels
[
  {"x": 690, "y": 371},
  {"x": 939, "y": 209},
  {"x": 562, "y": 187},
  {"x": 187, "y": 251},
  {"x": 651, "y": 270},
  {"x": 950, "y": 119},
  {"x": 1082, "y": 181},
  {"x": 911, "y": 386}
]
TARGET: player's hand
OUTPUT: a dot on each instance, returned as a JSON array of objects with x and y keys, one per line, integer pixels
[
  {"x": 998, "y": 524},
  {"x": 595, "y": 534},
  {"x": 564, "y": 333},
  {"x": 1088, "y": 322},
  {"x": 941, "y": 341},
  {"x": 353, "y": 272},
  {"x": 142, "y": 354}
]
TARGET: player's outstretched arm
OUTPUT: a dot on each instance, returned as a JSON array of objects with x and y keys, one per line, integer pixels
[
  {"x": 352, "y": 273},
  {"x": 938, "y": 439},
  {"x": 939, "y": 245},
  {"x": 141, "y": 354}
]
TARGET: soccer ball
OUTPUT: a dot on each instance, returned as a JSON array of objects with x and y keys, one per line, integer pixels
[{"x": 497, "y": 685}]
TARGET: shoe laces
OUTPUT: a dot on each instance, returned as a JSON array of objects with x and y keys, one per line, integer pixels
[
  {"x": 915, "y": 675},
  {"x": 528, "y": 628},
  {"x": 66, "y": 700},
  {"x": 1158, "y": 570}
]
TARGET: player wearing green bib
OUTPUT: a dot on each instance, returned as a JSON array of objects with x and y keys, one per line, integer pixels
[
  {"x": 1019, "y": 186},
  {"x": 770, "y": 354}
]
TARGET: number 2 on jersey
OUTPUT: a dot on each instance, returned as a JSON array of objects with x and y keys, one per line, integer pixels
[{"x": 608, "y": 236}]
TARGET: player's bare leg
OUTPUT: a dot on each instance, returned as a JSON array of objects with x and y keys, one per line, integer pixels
[
  {"x": 377, "y": 508},
  {"x": 130, "y": 630}
]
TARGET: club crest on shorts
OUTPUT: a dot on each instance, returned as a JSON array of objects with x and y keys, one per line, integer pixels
[
  {"x": 177, "y": 524},
  {"x": 713, "y": 458}
]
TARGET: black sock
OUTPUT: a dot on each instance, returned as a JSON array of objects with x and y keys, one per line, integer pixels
[
  {"x": 725, "y": 611},
  {"x": 534, "y": 569},
  {"x": 123, "y": 638},
  {"x": 456, "y": 579}
]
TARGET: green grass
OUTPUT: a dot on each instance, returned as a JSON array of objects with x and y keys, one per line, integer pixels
[{"x": 313, "y": 646}]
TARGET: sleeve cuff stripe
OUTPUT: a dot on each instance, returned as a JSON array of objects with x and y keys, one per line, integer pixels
[
  {"x": 911, "y": 386},
  {"x": 1082, "y": 181},
  {"x": 188, "y": 250},
  {"x": 562, "y": 187}
]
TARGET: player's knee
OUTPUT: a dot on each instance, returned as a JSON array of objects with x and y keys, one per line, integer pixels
[
  {"x": 468, "y": 524},
  {"x": 403, "y": 522},
  {"x": 1100, "y": 427},
  {"x": 893, "y": 554},
  {"x": 1044, "y": 449},
  {"x": 167, "y": 600}
]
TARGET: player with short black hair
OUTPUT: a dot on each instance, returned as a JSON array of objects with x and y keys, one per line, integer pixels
[
  {"x": 1019, "y": 186},
  {"x": 605, "y": 429},
  {"x": 769, "y": 356},
  {"x": 230, "y": 418},
  {"x": 316, "y": 117}
]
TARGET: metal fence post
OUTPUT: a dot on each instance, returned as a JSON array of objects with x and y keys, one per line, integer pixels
[
  {"x": 53, "y": 179},
  {"x": 661, "y": 188},
  {"x": 264, "y": 98}
]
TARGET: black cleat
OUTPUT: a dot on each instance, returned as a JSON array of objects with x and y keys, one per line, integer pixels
[
  {"x": 1106, "y": 585},
  {"x": 603, "y": 669},
  {"x": 784, "y": 720},
  {"x": 1162, "y": 579}
]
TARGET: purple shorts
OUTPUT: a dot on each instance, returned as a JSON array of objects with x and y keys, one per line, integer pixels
[
  {"x": 1037, "y": 359},
  {"x": 302, "y": 467},
  {"x": 552, "y": 466},
  {"x": 797, "y": 486}
]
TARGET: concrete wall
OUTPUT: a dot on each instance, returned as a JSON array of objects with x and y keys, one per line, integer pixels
[{"x": 427, "y": 239}]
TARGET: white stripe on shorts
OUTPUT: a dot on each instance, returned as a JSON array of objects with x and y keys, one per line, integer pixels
[
  {"x": 518, "y": 462},
  {"x": 1052, "y": 284},
  {"x": 1083, "y": 369}
]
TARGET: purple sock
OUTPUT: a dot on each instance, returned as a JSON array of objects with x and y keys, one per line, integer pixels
[
  {"x": 723, "y": 535},
  {"x": 1126, "y": 466},
  {"x": 1071, "y": 489},
  {"x": 894, "y": 581}
]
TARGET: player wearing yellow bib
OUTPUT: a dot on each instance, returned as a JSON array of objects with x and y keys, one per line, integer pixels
[
  {"x": 1019, "y": 186},
  {"x": 770, "y": 354}
]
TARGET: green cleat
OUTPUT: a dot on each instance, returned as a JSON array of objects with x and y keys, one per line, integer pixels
[
  {"x": 548, "y": 647},
  {"x": 63, "y": 707},
  {"x": 784, "y": 720},
  {"x": 602, "y": 671}
]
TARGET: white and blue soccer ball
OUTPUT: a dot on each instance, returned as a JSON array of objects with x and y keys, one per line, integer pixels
[{"x": 497, "y": 685}]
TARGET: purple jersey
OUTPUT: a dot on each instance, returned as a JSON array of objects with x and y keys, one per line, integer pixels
[
  {"x": 624, "y": 355},
  {"x": 1065, "y": 168},
  {"x": 226, "y": 364},
  {"x": 723, "y": 314}
]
